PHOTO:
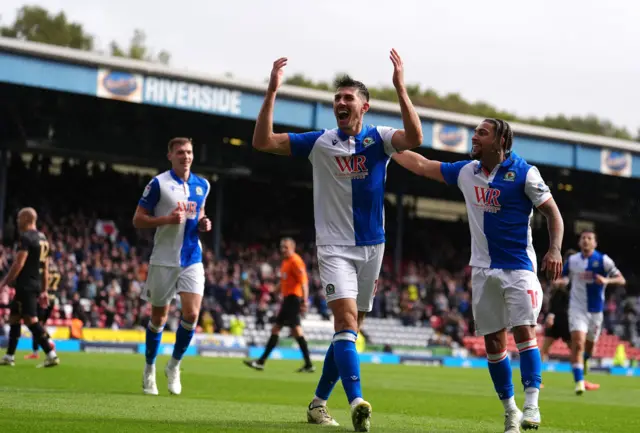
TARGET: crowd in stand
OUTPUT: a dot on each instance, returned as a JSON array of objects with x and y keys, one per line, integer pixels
[{"x": 103, "y": 273}]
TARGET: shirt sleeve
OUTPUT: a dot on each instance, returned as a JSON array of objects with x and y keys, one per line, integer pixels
[
  {"x": 451, "y": 171},
  {"x": 610, "y": 267},
  {"x": 23, "y": 243},
  {"x": 302, "y": 144},
  {"x": 535, "y": 188},
  {"x": 300, "y": 270},
  {"x": 386, "y": 133},
  {"x": 150, "y": 195}
]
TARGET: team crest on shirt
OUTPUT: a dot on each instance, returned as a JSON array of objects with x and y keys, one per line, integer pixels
[
  {"x": 331, "y": 289},
  {"x": 199, "y": 190},
  {"x": 596, "y": 263},
  {"x": 510, "y": 176},
  {"x": 368, "y": 142}
]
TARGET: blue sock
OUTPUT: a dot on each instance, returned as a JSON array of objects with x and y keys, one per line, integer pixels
[
  {"x": 184, "y": 334},
  {"x": 330, "y": 376},
  {"x": 578, "y": 372},
  {"x": 530, "y": 364},
  {"x": 152, "y": 342},
  {"x": 346, "y": 357},
  {"x": 500, "y": 371}
]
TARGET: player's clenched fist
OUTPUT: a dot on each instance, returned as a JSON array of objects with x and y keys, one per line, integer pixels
[
  {"x": 178, "y": 216},
  {"x": 204, "y": 225}
]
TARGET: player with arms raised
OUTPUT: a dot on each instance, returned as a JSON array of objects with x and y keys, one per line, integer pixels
[
  {"x": 500, "y": 190},
  {"x": 349, "y": 170},
  {"x": 30, "y": 271},
  {"x": 173, "y": 203},
  {"x": 589, "y": 272}
]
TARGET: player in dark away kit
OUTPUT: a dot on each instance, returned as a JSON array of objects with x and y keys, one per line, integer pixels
[{"x": 29, "y": 275}]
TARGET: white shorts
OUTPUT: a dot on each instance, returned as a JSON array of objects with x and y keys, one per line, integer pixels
[
  {"x": 351, "y": 272},
  {"x": 164, "y": 282},
  {"x": 504, "y": 299},
  {"x": 589, "y": 323}
]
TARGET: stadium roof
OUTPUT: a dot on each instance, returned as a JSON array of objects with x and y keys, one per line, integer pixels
[{"x": 70, "y": 55}]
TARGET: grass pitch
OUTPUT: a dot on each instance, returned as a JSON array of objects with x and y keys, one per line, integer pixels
[{"x": 102, "y": 393}]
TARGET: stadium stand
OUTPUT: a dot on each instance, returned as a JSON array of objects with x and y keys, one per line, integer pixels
[{"x": 85, "y": 208}]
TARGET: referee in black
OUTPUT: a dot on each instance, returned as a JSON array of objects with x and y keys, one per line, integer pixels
[{"x": 29, "y": 275}]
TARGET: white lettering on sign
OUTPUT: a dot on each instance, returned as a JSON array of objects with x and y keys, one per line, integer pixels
[{"x": 192, "y": 96}]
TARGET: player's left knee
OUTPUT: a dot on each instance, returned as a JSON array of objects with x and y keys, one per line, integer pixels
[
  {"x": 190, "y": 316},
  {"x": 524, "y": 333}
]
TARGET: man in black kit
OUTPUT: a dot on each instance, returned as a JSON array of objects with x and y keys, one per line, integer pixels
[
  {"x": 30, "y": 271},
  {"x": 556, "y": 324},
  {"x": 45, "y": 313}
]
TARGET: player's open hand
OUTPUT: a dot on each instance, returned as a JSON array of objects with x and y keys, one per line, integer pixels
[
  {"x": 204, "y": 225},
  {"x": 304, "y": 306},
  {"x": 178, "y": 216},
  {"x": 275, "y": 80},
  {"x": 398, "y": 69},
  {"x": 552, "y": 264}
]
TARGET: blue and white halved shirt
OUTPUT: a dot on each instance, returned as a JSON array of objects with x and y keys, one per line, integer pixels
[
  {"x": 500, "y": 206},
  {"x": 176, "y": 244},
  {"x": 585, "y": 294},
  {"x": 349, "y": 175}
]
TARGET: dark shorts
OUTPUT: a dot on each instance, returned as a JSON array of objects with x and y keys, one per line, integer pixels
[
  {"x": 45, "y": 313},
  {"x": 289, "y": 314},
  {"x": 559, "y": 330},
  {"x": 25, "y": 303}
]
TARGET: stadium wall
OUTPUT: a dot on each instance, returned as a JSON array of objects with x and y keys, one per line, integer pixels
[{"x": 229, "y": 346}]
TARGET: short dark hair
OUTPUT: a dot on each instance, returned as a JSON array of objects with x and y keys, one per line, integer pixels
[
  {"x": 347, "y": 81},
  {"x": 178, "y": 141},
  {"x": 595, "y": 235},
  {"x": 502, "y": 130}
]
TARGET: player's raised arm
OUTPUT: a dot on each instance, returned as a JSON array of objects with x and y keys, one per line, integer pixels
[
  {"x": 263, "y": 137},
  {"x": 411, "y": 136},
  {"x": 418, "y": 164}
]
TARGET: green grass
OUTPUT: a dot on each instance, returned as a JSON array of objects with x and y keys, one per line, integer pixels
[{"x": 102, "y": 393}]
